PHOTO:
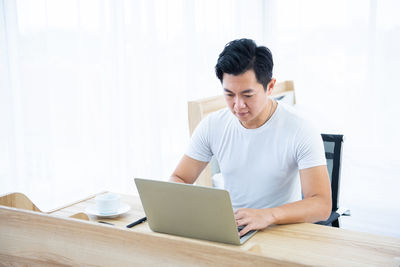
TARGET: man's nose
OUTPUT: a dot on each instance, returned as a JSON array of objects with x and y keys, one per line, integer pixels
[{"x": 239, "y": 102}]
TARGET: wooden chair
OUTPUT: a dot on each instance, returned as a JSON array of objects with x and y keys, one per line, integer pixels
[
  {"x": 21, "y": 201},
  {"x": 283, "y": 91}
]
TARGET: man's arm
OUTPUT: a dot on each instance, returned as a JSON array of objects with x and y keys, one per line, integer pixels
[
  {"x": 316, "y": 205},
  {"x": 188, "y": 170}
]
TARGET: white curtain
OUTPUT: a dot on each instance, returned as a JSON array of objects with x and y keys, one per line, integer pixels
[
  {"x": 94, "y": 93},
  {"x": 344, "y": 57}
]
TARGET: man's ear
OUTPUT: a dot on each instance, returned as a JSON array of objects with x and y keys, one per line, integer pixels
[{"x": 271, "y": 86}]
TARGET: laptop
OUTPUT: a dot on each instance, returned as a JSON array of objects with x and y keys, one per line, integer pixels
[{"x": 190, "y": 211}]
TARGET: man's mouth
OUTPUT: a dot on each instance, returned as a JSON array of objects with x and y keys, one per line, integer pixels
[{"x": 242, "y": 114}]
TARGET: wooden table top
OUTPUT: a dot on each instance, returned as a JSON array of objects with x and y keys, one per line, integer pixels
[{"x": 304, "y": 243}]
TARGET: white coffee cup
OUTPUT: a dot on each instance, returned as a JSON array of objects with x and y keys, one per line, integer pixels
[{"x": 107, "y": 203}]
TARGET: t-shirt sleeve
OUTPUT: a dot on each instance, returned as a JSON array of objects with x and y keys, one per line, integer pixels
[
  {"x": 310, "y": 148},
  {"x": 199, "y": 146}
]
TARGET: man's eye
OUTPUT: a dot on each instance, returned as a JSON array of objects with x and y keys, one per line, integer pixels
[
  {"x": 248, "y": 96},
  {"x": 230, "y": 95}
]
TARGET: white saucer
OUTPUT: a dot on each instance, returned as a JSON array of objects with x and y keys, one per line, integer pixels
[{"x": 92, "y": 210}]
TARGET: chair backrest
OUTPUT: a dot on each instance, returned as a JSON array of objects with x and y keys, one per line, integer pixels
[
  {"x": 333, "y": 153},
  {"x": 198, "y": 109}
]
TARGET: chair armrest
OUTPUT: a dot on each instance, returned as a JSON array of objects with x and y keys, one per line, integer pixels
[
  {"x": 343, "y": 211},
  {"x": 334, "y": 216}
]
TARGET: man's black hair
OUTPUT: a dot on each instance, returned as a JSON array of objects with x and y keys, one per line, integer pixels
[{"x": 242, "y": 55}]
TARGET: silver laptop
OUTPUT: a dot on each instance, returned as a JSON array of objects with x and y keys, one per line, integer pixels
[{"x": 190, "y": 211}]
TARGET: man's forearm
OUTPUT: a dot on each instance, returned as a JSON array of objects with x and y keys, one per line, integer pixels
[
  {"x": 312, "y": 209},
  {"x": 187, "y": 170},
  {"x": 176, "y": 179}
]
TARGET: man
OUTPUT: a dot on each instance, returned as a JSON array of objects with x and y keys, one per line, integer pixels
[{"x": 261, "y": 147}]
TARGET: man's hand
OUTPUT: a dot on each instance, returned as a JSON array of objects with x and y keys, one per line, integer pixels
[{"x": 254, "y": 219}]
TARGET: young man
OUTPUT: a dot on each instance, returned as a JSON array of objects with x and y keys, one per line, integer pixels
[{"x": 261, "y": 146}]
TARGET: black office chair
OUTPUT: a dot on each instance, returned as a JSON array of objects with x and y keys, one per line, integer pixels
[{"x": 333, "y": 154}]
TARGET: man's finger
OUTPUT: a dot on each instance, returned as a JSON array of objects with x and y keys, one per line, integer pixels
[
  {"x": 239, "y": 214},
  {"x": 245, "y": 230},
  {"x": 243, "y": 221},
  {"x": 238, "y": 211}
]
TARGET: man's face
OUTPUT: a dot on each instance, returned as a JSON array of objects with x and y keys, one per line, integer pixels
[{"x": 246, "y": 98}]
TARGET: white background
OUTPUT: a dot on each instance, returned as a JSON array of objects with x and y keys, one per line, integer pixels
[{"x": 94, "y": 93}]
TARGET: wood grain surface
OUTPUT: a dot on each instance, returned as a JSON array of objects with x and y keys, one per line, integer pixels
[{"x": 38, "y": 239}]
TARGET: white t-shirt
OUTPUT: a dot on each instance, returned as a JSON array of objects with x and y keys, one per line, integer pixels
[{"x": 260, "y": 166}]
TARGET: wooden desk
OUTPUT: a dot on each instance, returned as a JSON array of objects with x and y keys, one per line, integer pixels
[{"x": 35, "y": 238}]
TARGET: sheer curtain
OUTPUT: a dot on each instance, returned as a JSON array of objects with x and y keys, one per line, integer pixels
[
  {"x": 94, "y": 92},
  {"x": 343, "y": 57}
]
